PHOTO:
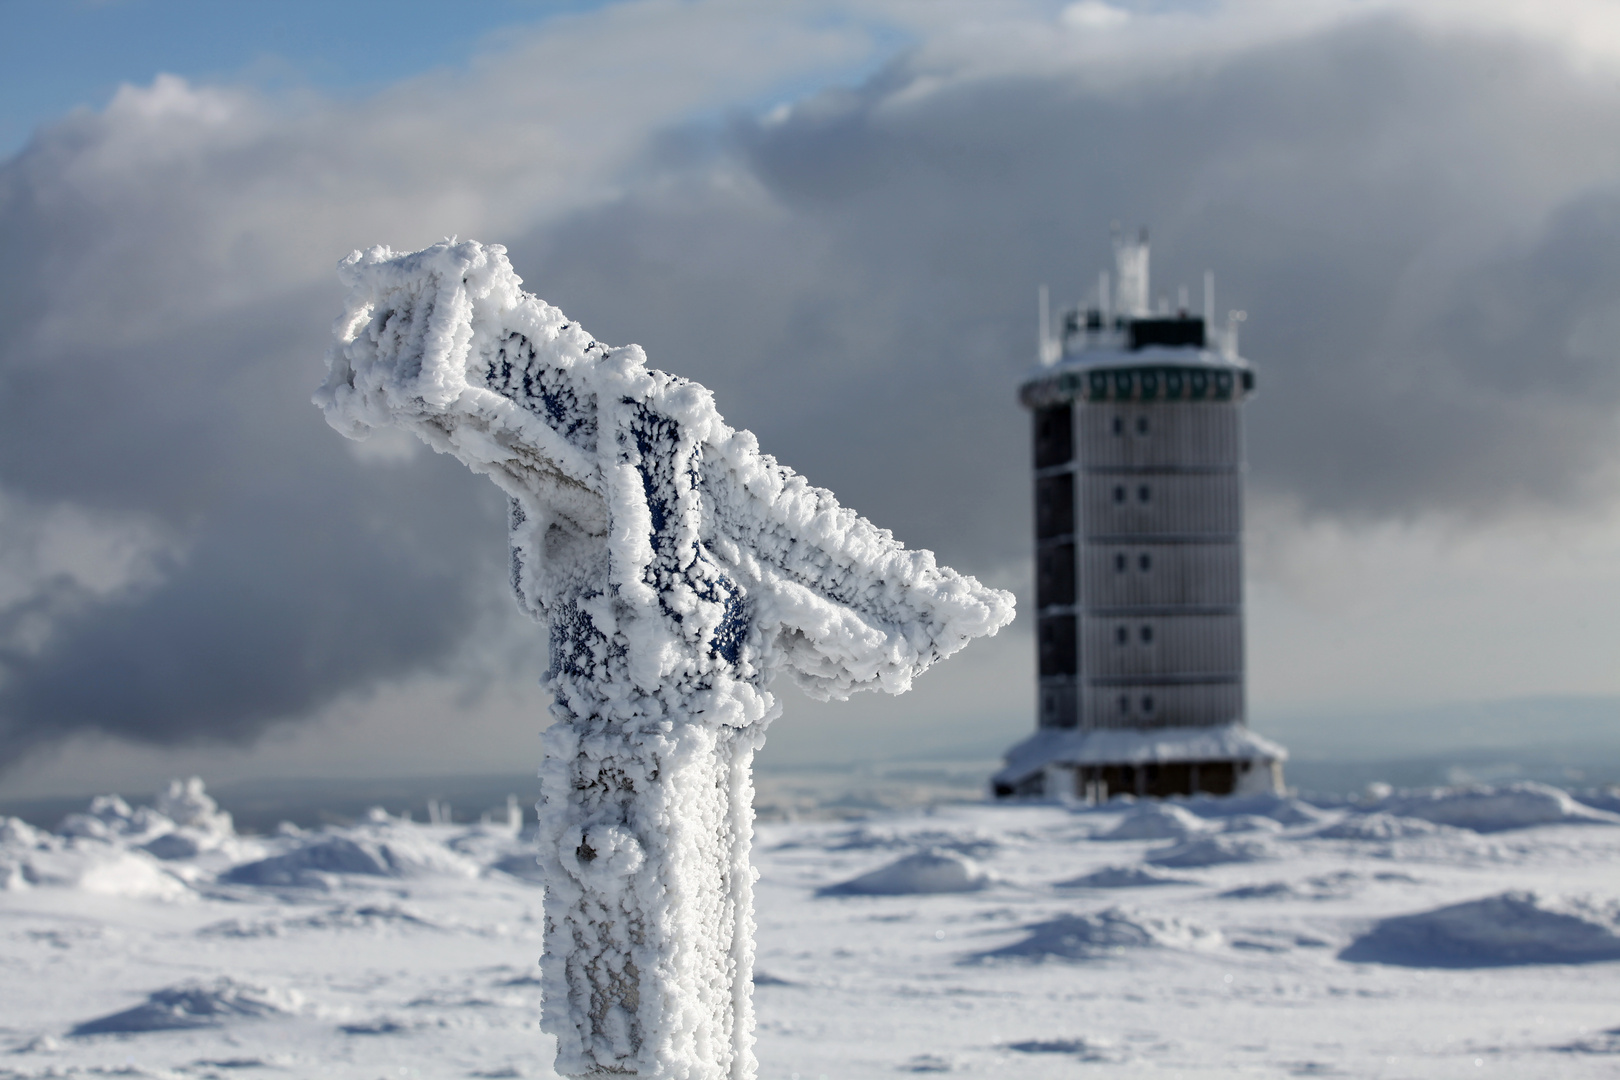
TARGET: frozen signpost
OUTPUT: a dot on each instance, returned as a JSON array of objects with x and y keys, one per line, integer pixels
[{"x": 679, "y": 570}]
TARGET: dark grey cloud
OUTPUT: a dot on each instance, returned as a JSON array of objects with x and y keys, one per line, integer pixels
[{"x": 1421, "y": 223}]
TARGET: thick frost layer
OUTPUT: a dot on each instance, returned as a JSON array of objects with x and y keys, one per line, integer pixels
[
  {"x": 1510, "y": 928},
  {"x": 679, "y": 570},
  {"x": 936, "y": 870}
]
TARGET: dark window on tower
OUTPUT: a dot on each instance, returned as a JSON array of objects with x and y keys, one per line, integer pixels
[
  {"x": 1147, "y": 703},
  {"x": 1054, "y": 506},
  {"x": 1144, "y": 561},
  {"x": 1144, "y": 493},
  {"x": 1120, "y": 562},
  {"x": 1058, "y": 654},
  {"x": 1054, "y": 575},
  {"x": 1124, "y": 703},
  {"x": 1141, "y": 425},
  {"x": 1119, "y": 493},
  {"x": 1121, "y": 635},
  {"x": 1119, "y": 425},
  {"x": 1054, "y": 435},
  {"x": 1147, "y": 635}
]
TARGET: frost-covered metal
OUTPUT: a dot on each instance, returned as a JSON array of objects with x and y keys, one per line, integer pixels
[
  {"x": 679, "y": 570},
  {"x": 1138, "y": 456}
]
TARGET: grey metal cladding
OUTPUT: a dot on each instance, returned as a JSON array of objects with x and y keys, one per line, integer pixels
[
  {"x": 1183, "y": 646},
  {"x": 1142, "y": 705},
  {"x": 1196, "y": 575},
  {"x": 1202, "y": 435},
  {"x": 1160, "y": 505}
]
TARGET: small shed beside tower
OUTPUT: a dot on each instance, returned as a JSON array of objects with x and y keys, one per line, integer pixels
[{"x": 1138, "y": 457}]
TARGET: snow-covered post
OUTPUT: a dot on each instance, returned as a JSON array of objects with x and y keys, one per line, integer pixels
[{"x": 679, "y": 570}]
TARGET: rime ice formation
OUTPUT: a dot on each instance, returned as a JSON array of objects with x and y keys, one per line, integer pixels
[{"x": 679, "y": 570}]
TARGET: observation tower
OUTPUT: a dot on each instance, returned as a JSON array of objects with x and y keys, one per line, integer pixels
[{"x": 1138, "y": 459}]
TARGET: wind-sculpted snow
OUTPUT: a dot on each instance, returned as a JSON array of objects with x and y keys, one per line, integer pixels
[
  {"x": 1082, "y": 946},
  {"x": 1381, "y": 826},
  {"x": 1516, "y": 927},
  {"x": 388, "y": 853},
  {"x": 935, "y": 870},
  {"x": 193, "y": 1005},
  {"x": 1495, "y": 809},
  {"x": 1123, "y": 877},
  {"x": 679, "y": 570},
  {"x": 1157, "y": 821},
  {"x": 1213, "y": 851},
  {"x": 1104, "y": 934}
]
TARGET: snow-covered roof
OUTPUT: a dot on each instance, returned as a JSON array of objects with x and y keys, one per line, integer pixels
[{"x": 1133, "y": 746}]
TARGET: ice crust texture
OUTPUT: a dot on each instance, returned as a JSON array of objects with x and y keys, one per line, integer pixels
[{"x": 679, "y": 570}]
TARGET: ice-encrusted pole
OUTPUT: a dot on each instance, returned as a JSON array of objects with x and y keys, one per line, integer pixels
[{"x": 679, "y": 570}]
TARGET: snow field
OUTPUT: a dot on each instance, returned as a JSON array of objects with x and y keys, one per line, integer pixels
[{"x": 419, "y": 960}]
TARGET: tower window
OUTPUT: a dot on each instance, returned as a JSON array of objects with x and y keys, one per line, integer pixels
[
  {"x": 1124, "y": 703},
  {"x": 1119, "y": 562},
  {"x": 1141, "y": 425},
  {"x": 1144, "y": 561},
  {"x": 1144, "y": 493},
  {"x": 1147, "y": 635},
  {"x": 1121, "y": 635},
  {"x": 1119, "y": 493},
  {"x": 1119, "y": 425},
  {"x": 1147, "y": 702}
]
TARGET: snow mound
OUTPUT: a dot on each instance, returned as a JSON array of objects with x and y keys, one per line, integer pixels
[
  {"x": 1104, "y": 933},
  {"x": 1098, "y": 1050},
  {"x": 523, "y": 865},
  {"x": 1286, "y": 810},
  {"x": 1251, "y": 823},
  {"x": 194, "y": 1005},
  {"x": 1510, "y": 928},
  {"x": 111, "y": 819},
  {"x": 393, "y": 853},
  {"x": 1213, "y": 851},
  {"x": 973, "y": 843},
  {"x": 1334, "y": 886},
  {"x": 90, "y": 866},
  {"x": 1495, "y": 809},
  {"x": 1122, "y": 877},
  {"x": 373, "y": 918},
  {"x": 1381, "y": 826},
  {"x": 1156, "y": 821},
  {"x": 935, "y": 870}
]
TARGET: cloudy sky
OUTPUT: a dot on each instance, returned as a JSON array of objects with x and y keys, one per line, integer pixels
[{"x": 836, "y": 215}]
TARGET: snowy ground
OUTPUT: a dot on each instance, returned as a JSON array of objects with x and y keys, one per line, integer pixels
[{"x": 1435, "y": 936}]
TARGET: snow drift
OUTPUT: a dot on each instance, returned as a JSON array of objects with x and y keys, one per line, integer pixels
[
  {"x": 193, "y": 1005},
  {"x": 1157, "y": 821},
  {"x": 1105, "y": 933},
  {"x": 936, "y": 870},
  {"x": 1213, "y": 851},
  {"x": 1495, "y": 809},
  {"x": 1509, "y": 928},
  {"x": 1122, "y": 877}
]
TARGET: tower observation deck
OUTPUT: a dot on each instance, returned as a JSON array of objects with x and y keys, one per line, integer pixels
[{"x": 1138, "y": 469}]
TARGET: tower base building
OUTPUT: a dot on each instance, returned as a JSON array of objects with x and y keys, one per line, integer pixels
[{"x": 1138, "y": 457}]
